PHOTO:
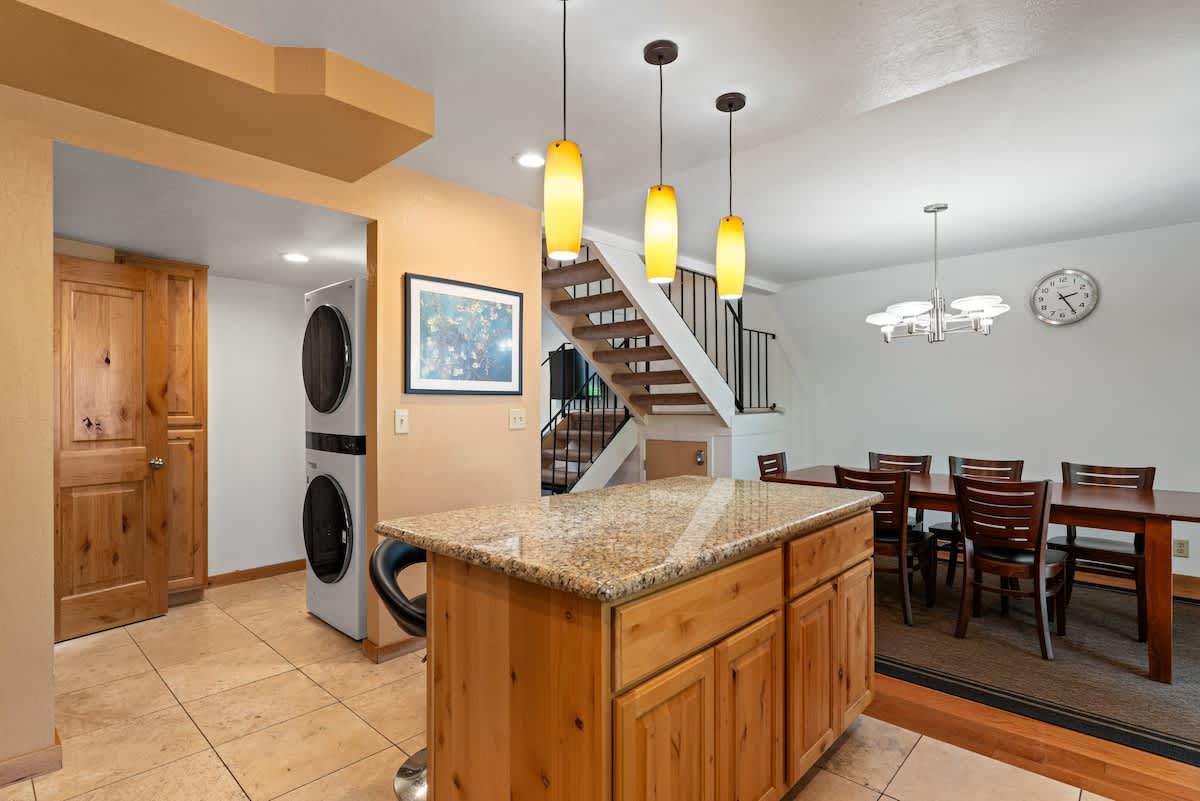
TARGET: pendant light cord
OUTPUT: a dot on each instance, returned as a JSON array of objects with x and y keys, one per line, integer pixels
[
  {"x": 564, "y": 65},
  {"x": 730, "y": 162},
  {"x": 660, "y": 121}
]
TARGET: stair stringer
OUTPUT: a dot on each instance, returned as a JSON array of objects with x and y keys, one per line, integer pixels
[{"x": 629, "y": 273}]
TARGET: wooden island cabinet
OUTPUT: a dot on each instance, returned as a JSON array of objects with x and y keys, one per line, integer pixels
[{"x": 652, "y": 677}]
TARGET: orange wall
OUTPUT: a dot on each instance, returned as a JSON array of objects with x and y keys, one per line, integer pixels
[{"x": 459, "y": 452}]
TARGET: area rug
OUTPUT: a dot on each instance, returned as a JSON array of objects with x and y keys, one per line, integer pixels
[{"x": 1097, "y": 683}]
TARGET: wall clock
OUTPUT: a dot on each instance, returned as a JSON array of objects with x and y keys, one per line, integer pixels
[{"x": 1064, "y": 297}]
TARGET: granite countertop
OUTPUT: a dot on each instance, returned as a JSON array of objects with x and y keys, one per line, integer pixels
[{"x": 609, "y": 543}]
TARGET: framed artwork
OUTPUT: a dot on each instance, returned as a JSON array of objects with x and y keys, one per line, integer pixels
[{"x": 462, "y": 339}]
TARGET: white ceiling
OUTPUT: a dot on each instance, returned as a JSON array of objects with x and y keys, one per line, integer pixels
[
  {"x": 237, "y": 232},
  {"x": 1035, "y": 119}
]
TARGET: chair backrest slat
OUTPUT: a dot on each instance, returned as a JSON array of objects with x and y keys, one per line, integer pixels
[
  {"x": 891, "y": 514},
  {"x": 997, "y": 469},
  {"x": 1101, "y": 476},
  {"x": 895, "y": 461},
  {"x": 771, "y": 464},
  {"x": 1004, "y": 514}
]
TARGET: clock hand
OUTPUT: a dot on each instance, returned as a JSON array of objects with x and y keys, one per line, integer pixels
[{"x": 1064, "y": 300}]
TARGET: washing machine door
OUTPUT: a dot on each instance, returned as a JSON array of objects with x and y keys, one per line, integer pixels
[
  {"x": 326, "y": 360},
  {"x": 328, "y": 529}
]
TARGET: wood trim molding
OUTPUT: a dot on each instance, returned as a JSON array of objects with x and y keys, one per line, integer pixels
[
  {"x": 252, "y": 573},
  {"x": 1108, "y": 769},
  {"x": 385, "y": 653},
  {"x": 34, "y": 763},
  {"x": 181, "y": 597}
]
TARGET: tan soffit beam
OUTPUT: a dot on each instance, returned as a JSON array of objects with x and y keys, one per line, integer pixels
[{"x": 160, "y": 65}]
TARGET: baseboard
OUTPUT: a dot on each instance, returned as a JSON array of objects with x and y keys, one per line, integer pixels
[
  {"x": 1185, "y": 588},
  {"x": 252, "y": 573},
  {"x": 35, "y": 763},
  {"x": 385, "y": 653},
  {"x": 1108, "y": 769},
  {"x": 181, "y": 597}
]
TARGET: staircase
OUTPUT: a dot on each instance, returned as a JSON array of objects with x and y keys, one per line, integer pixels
[{"x": 574, "y": 442}]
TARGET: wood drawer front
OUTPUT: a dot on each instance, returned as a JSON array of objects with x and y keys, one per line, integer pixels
[
  {"x": 824, "y": 554},
  {"x": 657, "y": 630}
]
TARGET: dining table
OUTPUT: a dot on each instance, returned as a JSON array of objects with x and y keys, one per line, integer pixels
[{"x": 1147, "y": 512}]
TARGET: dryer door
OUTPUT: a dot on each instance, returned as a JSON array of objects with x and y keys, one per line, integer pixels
[
  {"x": 326, "y": 361},
  {"x": 328, "y": 529}
]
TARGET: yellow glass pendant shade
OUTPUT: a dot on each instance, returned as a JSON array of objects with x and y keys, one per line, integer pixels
[
  {"x": 661, "y": 234},
  {"x": 563, "y": 200},
  {"x": 731, "y": 258}
]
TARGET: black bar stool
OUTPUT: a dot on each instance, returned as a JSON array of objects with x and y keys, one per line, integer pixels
[{"x": 391, "y": 557}]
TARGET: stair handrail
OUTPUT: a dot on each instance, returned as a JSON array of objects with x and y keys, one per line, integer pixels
[{"x": 587, "y": 390}]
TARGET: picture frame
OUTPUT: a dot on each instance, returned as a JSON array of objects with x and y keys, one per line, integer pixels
[{"x": 462, "y": 338}]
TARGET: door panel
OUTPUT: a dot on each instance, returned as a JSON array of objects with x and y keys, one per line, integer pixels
[
  {"x": 181, "y": 385},
  {"x": 666, "y": 458},
  {"x": 856, "y": 624},
  {"x": 813, "y": 697},
  {"x": 111, "y": 386},
  {"x": 187, "y": 510},
  {"x": 664, "y": 736},
  {"x": 749, "y": 673}
]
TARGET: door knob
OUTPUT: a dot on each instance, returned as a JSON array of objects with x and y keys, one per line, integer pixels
[{"x": 158, "y": 463}]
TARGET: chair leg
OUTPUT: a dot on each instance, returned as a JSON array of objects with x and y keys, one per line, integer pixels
[
  {"x": 952, "y": 568},
  {"x": 929, "y": 573},
  {"x": 1060, "y": 604},
  {"x": 1140, "y": 588},
  {"x": 1042, "y": 615},
  {"x": 964, "y": 604},
  {"x": 1004, "y": 585},
  {"x": 906, "y": 589},
  {"x": 1070, "y": 577}
]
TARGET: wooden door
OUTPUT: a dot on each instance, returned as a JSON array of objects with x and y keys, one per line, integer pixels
[
  {"x": 666, "y": 458},
  {"x": 813, "y": 696},
  {"x": 664, "y": 736},
  {"x": 749, "y": 673},
  {"x": 856, "y": 628},
  {"x": 111, "y": 420}
]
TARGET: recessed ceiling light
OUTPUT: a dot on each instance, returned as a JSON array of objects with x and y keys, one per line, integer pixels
[
  {"x": 531, "y": 160},
  {"x": 295, "y": 258}
]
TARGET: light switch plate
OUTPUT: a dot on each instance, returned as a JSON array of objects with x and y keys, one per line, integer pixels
[
  {"x": 402, "y": 421},
  {"x": 516, "y": 419},
  {"x": 1182, "y": 548}
]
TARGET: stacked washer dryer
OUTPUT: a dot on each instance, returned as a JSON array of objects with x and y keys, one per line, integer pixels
[{"x": 334, "y": 518}]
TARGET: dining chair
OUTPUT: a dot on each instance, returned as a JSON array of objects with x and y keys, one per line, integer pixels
[
  {"x": 912, "y": 548},
  {"x": 1117, "y": 558},
  {"x": 1004, "y": 526},
  {"x": 908, "y": 464},
  {"x": 949, "y": 535},
  {"x": 771, "y": 464}
]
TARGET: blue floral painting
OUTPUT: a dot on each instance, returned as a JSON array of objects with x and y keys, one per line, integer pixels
[{"x": 462, "y": 338}]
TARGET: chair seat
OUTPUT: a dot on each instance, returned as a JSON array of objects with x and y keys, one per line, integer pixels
[
  {"x": 917, "y": 538},
  {"x": 945, "y": 530},
  {"x": 1123, "y": 547},
  {"x": 1018, "y": 556}
]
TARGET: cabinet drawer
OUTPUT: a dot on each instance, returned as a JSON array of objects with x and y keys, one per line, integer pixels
[
  {"x": 818, "y": 557},
  {"x": 659, "y": 629}
]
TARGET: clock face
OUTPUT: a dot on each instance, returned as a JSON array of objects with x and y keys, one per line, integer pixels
[{"x": 1064, "y": 297}]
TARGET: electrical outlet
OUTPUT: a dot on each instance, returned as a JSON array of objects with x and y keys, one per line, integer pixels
[
  {"x": 1181, "y": 548},
  {"x": 402, "y": 421},
  {"x": 516, "y": 419}
]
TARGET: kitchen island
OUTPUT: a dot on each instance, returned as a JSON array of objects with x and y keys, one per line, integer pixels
[{"x": 689, "y": 638}]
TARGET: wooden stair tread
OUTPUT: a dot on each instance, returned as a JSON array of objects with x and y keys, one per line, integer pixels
[
  {"x": 592, "y": 304},
  {"x": 655, "y": 377},
  {"x": 653, "y": 353},
  {"x": 668, "y": 399},
  {"x": 574, "y": 274},
  {"x": 618, "y": 330}
]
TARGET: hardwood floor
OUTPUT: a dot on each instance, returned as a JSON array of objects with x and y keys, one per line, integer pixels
[{"x": 1108, "y": 769}]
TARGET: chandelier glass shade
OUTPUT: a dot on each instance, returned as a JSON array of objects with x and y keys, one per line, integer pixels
[{"x": 929, "y": 318}]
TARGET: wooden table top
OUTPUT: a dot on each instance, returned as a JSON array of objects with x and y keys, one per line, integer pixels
[{"x": 1149, "y": 504}]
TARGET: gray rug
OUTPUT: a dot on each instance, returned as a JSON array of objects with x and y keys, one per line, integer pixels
[{"x": 1097, "y": 683}]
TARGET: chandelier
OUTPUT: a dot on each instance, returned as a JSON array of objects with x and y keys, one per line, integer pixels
[{"x": 929, "y": 318}]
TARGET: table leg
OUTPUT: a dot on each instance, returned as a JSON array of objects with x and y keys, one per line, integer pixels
[{"x": 1159, "y": 599}]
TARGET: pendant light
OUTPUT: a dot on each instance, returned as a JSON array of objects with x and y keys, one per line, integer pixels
[
  {"x": 928, "y": 318},
  {"x": 731, "y": 234},
  {"x": 661, "y": 234},
  {"x": 562, "y": 198}
]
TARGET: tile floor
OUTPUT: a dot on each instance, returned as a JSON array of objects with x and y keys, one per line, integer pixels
[{"x": 245, "y": 696}]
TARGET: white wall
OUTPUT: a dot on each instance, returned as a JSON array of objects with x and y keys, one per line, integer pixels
[
  {"x": 1119, "y": 388},
  {"x": 256, "y": 408}
]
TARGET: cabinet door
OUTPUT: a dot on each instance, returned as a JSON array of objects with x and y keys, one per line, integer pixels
[
  {"x": 187, "y": 510},
  {"x": 813, "y": 690},
  {"x": 664, "y": 731},
  {"x": 856, "y": 622},
  {"x": 749, "y": 672}
]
